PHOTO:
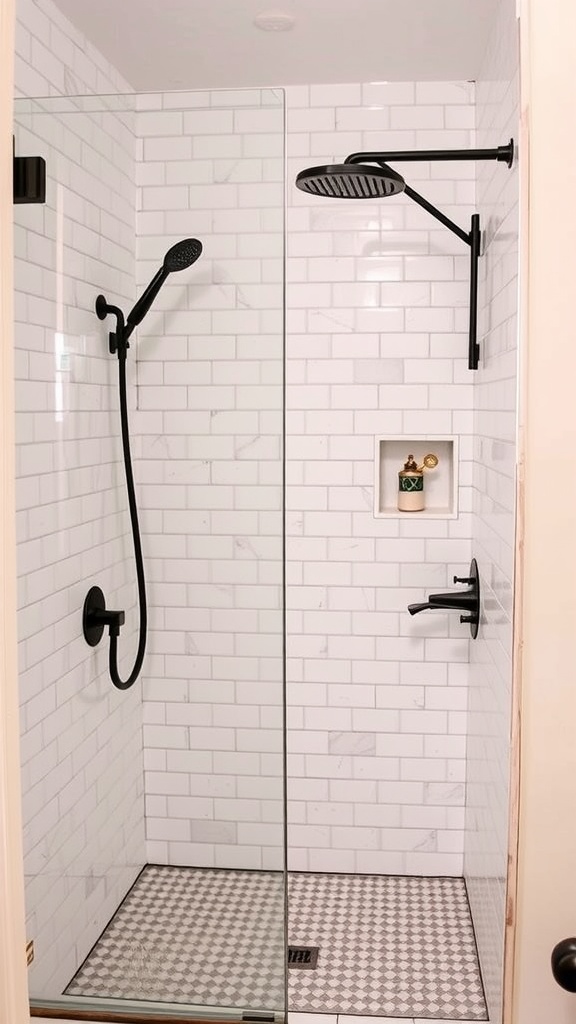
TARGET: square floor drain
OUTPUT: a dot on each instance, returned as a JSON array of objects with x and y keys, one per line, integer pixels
[{"x": 303, "y": 957}]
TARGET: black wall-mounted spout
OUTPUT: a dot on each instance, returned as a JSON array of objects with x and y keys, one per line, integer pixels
[
  {"x": 415, "y": 608},
  {"x": 463, "y": 600}
]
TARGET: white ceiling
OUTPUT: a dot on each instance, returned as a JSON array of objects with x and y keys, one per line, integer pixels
[{"x": 165, "y": 44}]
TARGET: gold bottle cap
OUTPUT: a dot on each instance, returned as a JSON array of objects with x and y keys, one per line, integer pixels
[{"x": 410, "y": 467}]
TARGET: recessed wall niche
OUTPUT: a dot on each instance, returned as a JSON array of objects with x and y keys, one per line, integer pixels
[{"x": 440, "y": 484}]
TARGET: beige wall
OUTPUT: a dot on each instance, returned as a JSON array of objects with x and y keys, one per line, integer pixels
[{"x": 546, "y": 907}]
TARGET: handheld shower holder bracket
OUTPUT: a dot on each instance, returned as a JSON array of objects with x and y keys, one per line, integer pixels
[
  {"x": 180, "y": 256},
  {"x": 118, "y": 339}
]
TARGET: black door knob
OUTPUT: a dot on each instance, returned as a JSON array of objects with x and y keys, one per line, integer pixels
[{"x": 564, "y": 964}]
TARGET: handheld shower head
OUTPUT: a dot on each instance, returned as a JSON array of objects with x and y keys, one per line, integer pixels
[
  {"x": 178, "y": 257},
  {"x": 182, "y": 255},
  {"x": 350, "y": 181}
]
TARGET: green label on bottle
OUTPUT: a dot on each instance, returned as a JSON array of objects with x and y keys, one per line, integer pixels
[{"x": 411, "y": 483}]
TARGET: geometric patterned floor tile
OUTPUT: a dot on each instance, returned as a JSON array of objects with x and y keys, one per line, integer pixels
[
  {"x": 390, "y": 946},
  {"x": 192, "y": 935}
]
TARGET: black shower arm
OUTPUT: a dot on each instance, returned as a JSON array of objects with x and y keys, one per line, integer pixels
[{"x": 505, "y": 154}]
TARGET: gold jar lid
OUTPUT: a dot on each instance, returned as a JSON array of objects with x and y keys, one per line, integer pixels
[{"x": 410, "y": 468}]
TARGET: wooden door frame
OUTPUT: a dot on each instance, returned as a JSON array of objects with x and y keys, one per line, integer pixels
[{"x": 13, "y": 982}]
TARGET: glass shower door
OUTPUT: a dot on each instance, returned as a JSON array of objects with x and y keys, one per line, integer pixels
[{"x": 154, "y": 817}]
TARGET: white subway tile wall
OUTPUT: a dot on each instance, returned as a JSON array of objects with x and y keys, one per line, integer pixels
[
  {"x": 83, "y": 795},
  {"x": 349, "y": 377},
  {"x": 493, "y": 524},
  {"x": 377, "y": 343},
  {"x": 209, "y": 469}
]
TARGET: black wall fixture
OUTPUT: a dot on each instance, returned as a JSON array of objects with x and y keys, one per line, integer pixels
[
  {"x": 461, "y": 600},
  {"x": 368, "y": 176},
  {"x": 28, "y": 178},
  {"x": 95, "y": 615}
]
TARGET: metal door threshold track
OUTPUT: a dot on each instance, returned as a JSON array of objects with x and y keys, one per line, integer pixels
[{"x": 388, "y": 946}]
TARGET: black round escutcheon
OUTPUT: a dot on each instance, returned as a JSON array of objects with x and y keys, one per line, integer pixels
[
  {"x": 564, "y": 964},
  {"x": 101, "y": 307},
  {"x": 95, "y": 602}
]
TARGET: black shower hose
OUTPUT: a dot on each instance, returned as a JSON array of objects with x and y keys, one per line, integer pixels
[{"x": 113, "y": 661}]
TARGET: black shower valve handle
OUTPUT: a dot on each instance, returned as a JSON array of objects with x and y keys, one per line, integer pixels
[{"x": 469, "y": 580}]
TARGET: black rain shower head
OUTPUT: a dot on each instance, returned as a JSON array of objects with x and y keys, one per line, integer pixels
[
  {"x": 178, "y": 257},
  {"x": 351, "y": 181}
]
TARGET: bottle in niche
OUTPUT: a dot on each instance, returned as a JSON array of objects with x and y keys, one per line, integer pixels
[{"x": 411, "y": 483}]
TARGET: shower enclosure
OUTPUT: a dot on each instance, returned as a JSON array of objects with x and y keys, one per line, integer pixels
[
  {"x": 155, "y": 816},
  {"x": 173, "y": 790}
]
